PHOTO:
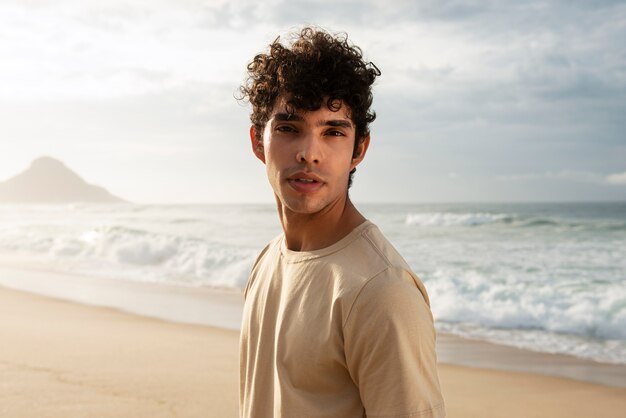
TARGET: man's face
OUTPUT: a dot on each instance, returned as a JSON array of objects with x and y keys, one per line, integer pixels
[{"x": 308, "y": 156}]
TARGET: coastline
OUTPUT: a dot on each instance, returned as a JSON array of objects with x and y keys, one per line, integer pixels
[
  {"x": 222, "y": 309},
  {"x": 459, "y": 351},
  {"x": 61, "y": 358},
  {"x": 65, "y": 359}
]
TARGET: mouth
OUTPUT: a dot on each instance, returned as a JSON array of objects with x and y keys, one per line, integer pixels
[{"x": 304, "y": 182}]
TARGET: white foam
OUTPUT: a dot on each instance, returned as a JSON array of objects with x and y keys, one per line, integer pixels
[
  {"x": 454, "y": 219},
  {"x": 120, "y": 252},
  {"x": 513, "y": 311},
  {"x": 541, "y": 278}
]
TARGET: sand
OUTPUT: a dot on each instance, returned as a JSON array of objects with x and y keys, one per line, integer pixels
[
  {"x": 64, "y": 359},
  {"x": 60, "y": 359}
]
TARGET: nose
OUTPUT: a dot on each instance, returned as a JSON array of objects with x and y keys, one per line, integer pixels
[{"x": 309, "y": 150}]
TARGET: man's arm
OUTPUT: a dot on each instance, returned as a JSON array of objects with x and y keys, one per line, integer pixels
[{"x": 389, "y": 341}]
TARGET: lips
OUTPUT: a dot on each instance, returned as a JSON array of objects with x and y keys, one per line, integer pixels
[{"x": 304, "y": 182}]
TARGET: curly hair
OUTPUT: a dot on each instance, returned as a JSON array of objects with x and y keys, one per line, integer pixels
[{"x": 315, "y": 66}]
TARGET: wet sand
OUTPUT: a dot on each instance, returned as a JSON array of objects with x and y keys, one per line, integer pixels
[{"x": 67, "y": 359}]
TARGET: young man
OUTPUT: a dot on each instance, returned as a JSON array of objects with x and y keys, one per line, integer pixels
[{"x": 335, "y": 322}]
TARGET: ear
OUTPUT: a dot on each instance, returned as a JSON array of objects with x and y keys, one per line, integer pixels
[
  {"x": 360, "y": 152},
  {"x": 257, "y": 144}
]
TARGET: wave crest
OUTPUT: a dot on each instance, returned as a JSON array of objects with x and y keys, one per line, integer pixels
[
  {"x": 135, "y": 254},
  {"x": 456, "y": 219}
]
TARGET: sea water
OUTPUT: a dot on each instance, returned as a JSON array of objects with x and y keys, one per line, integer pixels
[{"x": 546, "y": 277}]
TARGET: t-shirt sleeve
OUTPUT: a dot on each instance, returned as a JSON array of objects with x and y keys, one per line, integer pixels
[{"x": 389, "y": 342}]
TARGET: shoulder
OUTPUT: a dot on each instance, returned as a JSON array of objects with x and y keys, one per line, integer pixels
[
  {"x": 393, "y": 293},
  {"x": 370, "y": 253},
  {"x": 268, "y": 252},
  {"x": 381, "y": 278},
  {"x": 383, "y": 247},
  {"x": 382, "y": 267},
  {"x": 366, "y": 255}
]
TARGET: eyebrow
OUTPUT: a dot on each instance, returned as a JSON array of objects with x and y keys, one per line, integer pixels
[
  {"x": 284, "y": 117},
  {"x": 339, "y": 123}
]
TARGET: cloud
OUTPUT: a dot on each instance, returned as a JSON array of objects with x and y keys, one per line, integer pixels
[
  {"x": 71, "y": 50},
  {"x": 521, "y": 177},
  {"x": 617, "y": 178},
  {"x": 579, "y": 176},
  {"x": 567, "y": 175},
  {"x": 480, "y": 87}
]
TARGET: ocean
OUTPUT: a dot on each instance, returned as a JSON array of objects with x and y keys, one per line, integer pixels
[{"x": 547, "y": 277}]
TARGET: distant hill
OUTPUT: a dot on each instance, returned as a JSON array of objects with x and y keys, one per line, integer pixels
[{"x": 49, "y": 181}]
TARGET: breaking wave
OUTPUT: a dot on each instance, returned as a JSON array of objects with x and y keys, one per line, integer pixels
[{"x": 122, "y": 252}]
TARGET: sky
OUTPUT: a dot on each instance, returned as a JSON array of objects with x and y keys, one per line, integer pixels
[{"x": 479, "y": 100}]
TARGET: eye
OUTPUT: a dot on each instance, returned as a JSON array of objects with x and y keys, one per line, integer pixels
[
  {"x": 285, "y": 128},
  {"x": 335, "y": 132}
]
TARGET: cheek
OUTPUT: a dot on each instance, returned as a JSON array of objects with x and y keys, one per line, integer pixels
[
  {"x": 274, "y": 163},
  {"x": 347, "y": 160},
  {"x": 276, "y": 152}
]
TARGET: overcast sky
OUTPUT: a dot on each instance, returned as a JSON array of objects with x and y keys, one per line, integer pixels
[{"x": 478, "y": 100}]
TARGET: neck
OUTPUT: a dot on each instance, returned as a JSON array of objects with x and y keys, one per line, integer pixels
[{"x": 313, "y": 231}]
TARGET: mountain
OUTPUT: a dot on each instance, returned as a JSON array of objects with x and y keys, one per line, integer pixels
[{"x": 49, "y": 181}]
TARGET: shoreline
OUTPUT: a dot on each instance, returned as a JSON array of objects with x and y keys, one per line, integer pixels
[
  {"x": 64, "y": 359},
  {"x": 61, "y": 358},
  {"x": 217, "y": 308}
]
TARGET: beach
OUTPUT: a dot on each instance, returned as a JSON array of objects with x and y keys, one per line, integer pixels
[
  {"x": 62, "y": 358},
  {"x": 542, "y": 277}
]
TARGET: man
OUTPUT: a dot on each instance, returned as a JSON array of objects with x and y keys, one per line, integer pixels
[{"x": 335, "y": 322}]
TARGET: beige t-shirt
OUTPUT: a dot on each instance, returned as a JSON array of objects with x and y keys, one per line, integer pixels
[{"x": 345, "y": 331}]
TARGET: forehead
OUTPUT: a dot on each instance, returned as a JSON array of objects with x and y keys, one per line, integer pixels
[{"x": 281, "y": 107}]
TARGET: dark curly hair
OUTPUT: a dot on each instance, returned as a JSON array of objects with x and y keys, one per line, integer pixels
[{"x": 316, "y": 65}]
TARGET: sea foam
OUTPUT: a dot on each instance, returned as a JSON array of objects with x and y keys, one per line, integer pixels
[
  {"x": 128, "y": 253},
  {"x": 548, "y": 277},
  {"x": 455, "y": 219}
]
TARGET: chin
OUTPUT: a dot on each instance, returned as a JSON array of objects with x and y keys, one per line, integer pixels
[
  {"x": 303, "y": 208},
  {"x": 303, "y": 205}
]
